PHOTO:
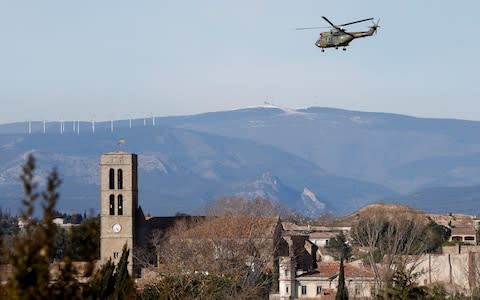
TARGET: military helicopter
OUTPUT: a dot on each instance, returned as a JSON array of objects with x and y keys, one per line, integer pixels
[{"x": 338, "y": 37}]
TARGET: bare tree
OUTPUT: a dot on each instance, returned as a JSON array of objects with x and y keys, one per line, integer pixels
[
  {"x": 234, "y": 245},
  {"x": 393, "y": 237}
]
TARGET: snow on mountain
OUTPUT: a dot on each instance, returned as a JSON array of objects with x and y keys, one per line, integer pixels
[
  {"x": 360, "y": 120},
  {"x": 312, "y": 206},
  {"x": 270, "y": 187},
  {"x": 264, "y": 187},
  {"x": 286, "y": 110}
]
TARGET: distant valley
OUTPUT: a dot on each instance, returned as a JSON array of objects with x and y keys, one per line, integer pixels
[{"x": 312, "y": 160}]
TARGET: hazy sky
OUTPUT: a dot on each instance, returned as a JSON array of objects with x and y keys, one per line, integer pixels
[{"x": 118, "y": 59}]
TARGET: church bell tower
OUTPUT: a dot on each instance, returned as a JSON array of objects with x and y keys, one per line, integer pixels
[{"x": 118, "y": 205}]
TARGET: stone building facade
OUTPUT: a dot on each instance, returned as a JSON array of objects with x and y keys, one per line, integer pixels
[{"x": 118, "y": 205}]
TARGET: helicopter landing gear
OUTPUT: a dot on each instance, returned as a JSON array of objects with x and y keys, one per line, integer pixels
[
  {"x": 323, "y": 50},
  {"x": 344, "y": 49}
]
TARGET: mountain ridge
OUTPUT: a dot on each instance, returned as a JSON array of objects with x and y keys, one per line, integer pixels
[
  {"x": 345, "y": 158},
  {"x": 210, "y": 165}
]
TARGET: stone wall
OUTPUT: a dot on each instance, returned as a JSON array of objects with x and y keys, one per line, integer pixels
[{"x": 460, "y": 249}]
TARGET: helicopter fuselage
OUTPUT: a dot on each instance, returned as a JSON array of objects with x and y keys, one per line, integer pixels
[
  {"x": 339, "y": 38},
  {"x": 334, "y": 38}
]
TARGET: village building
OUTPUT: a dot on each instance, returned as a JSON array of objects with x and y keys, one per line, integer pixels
[
  {"x": 321, "y": 238},
  {"x": 322, "y": 281},
  {"x": 463, "y": 227},
  {"x": 465, "y": 234},
  {"x": 309, "y": 228}
]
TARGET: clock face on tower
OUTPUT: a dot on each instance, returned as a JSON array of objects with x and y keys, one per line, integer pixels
[{"x": 116, "y": 227}]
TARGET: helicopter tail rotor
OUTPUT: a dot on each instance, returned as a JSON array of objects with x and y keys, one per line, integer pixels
[{"x": 375, "y": 25}]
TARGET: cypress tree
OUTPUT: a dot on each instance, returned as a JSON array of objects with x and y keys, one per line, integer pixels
[
  {"x": 124, "y": 285},
  {"x": 32, "y": 248},
  {"x": 342, "y": 291},
  {"x": 103, "y": 283},
  {"x": 342, "y": 250}
]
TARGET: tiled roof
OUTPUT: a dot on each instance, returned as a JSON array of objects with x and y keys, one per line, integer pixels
[
  {"x": 322, "y": 235},
  {"x": 328, "y": 270},
  {"x": 463, "y": 230}
]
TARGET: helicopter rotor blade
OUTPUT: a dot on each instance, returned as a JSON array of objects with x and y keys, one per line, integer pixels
[
  {"x": 328, "y": 21},
  {"x": 336, "y": 27},
  {"x": 306, "y": 28},
  {"x": 359, "y": 21}
]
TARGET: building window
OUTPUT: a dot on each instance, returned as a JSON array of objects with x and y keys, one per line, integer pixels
[
  {"x": 286, "y": 289},
  {"x": 112, "y": 205},
  {"x": 120, "y": 205},
  {"x": 111, "y": 179},
  {"x": 358, "y": 289},
  {"x": 115, "y": 254},
  {"x": 286, "y": 273},
  {"x": 469, "y": 238},
  {"x": 319, "y": 289},
  {"x": 304, "y": 289},
  {"x": 120, "y": 179}
]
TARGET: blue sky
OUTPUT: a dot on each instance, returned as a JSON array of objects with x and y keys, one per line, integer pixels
[{"x": 118, "y": 59}]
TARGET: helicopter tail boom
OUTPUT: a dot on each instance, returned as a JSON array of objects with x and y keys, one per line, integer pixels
[{"x": 370, "y": 32}]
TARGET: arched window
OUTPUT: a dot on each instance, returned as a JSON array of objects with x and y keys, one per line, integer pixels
[
  {"x": 112, "y": 205},
  {"x": 111, "y": 179},
  {"x": 120, "y": 205},
  {"x": 120, "y": 179}
]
